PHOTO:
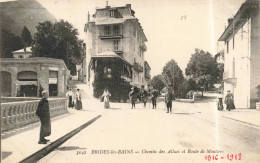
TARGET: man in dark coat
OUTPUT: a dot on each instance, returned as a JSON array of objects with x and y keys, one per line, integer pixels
[
  {"x": 168, "y": 100},
  {"x": 154, "y": 94},
  {"x": 144, "y": 96},
  {"x": 43, "y": 112}
]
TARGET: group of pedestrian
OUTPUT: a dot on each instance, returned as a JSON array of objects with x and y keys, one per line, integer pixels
[
  {"x": 229, "y": 101},
  {"x": 74, "y": 99}
]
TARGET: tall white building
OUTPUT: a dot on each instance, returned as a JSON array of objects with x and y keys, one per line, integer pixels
[
  {"x": 242, "y": 54},
  {"x": 116, "y": 47}
]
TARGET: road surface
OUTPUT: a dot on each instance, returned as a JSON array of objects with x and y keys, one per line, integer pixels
[{"x": 194, "y": 132}]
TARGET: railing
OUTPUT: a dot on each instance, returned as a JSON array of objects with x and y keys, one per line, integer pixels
[
  {"x": 143, "y": 46},
  {"x": 138, "y": 67},
  {"x": 148, "y": 76},
  {"x": 18, "y": 114}
]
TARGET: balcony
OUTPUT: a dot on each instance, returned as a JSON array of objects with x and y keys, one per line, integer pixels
[
  {"x": 143, "y": 46},
  {"x": 110, "y": 33},
  {"x": 147, "y": 76},
  {"x": 138, "y": 67},
  {"x": 229, "y": 80},
  {"x": 106, "y": 37}
]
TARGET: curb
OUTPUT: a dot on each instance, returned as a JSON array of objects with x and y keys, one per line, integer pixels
[
  {"x": 241, "y": 121},
  {"x": 49, "y": 148}
]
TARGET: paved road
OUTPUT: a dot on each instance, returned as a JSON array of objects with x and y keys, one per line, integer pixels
[{"x": 143, "y": 134}]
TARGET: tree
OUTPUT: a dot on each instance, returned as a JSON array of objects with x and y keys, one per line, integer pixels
[
  {"x": 58, "y": 40},
  {"x": 173, "y": 77},
  {"x": 9, "y": 43},
  {"x": 157, "y": 82},
  {"x": 26, "y": 37},
  {"x": 202, "y": 68}
]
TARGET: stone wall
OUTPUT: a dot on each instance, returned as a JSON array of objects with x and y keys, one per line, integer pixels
[{"x": 17, "y": 114}]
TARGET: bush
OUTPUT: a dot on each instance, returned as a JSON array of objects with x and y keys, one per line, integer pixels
[{"x": 118, "y": 88}]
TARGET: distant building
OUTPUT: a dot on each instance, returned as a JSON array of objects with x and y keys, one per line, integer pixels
[
  {"x": 116, "y": 46},
  {"x": 219, "y": 57},
  {"x": 26, "y": 76},
  {"x": 23, "y": 53},
  {"x": 242, "y": 54}
]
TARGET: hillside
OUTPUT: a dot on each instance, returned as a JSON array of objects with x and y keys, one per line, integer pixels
[{"x": 14, "y": 15}]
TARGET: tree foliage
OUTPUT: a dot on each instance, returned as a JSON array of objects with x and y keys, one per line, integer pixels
[
  {"x": 58, "y": 40},
  {"x": 26, "y": 37},
  {"x": 9, "y": 43},
  {"x": 157, "y": 82},
  {"x": 202, "y": 68},
  {"x": 173, "y": 77}
]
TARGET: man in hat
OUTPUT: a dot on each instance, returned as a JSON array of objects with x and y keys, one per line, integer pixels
[
  {"x": 43, "y": 112},
  {"x": 144, "y": 95},
  {"x": 168, "y": 100}
]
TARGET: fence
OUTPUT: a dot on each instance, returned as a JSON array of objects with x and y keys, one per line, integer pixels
[{"x": 18, "y": 114}]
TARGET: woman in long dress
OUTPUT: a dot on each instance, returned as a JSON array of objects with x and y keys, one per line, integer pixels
[
  {"x": 106, "y": 96},
  {"x": 78, "y": 104},
  {"x": 229, "y": 100},
  {"x": 133, "y": 97}
]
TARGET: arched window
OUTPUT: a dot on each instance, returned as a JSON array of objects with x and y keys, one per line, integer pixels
[{"x": 27, "y": 76}]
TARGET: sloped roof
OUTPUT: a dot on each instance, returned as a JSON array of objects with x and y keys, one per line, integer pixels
[
  {"x": 105, "y": 21},
  {"x": 109, "y": 54},
  {"x": 28, "y": 50}
]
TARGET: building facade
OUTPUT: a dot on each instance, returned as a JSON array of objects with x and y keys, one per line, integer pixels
[
  {"x": 23, "y": 53},
  {"x": 242, "y": 54},
  {"x": 25, "y": 77},
  {"x": 115, "y": 37}
]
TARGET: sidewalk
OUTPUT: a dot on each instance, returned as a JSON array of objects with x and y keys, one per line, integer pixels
[
  {"x": 17, "y": 147},
  {"x": 248, "y": 116}
]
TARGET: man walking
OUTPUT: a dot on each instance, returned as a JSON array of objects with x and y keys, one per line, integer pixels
[
  {"x": 154, "y": 96},
  {"x": 144, "y": 96},
  {"x": 168, "y": 100},
  {"x": 43, "y": 112}
]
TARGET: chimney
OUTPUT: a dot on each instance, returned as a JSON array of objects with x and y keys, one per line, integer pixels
[
  {"x": 88, "y": 17},
  {"x": 128, "y": 5},
  {"x": 24, "y": 48},
  {"x": 107, "y": 5}
]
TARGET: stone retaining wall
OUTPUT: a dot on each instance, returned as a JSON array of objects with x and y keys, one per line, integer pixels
[{"x": 18, "y": 114}]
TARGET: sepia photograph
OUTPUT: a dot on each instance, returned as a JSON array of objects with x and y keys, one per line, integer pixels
[{"x": 130, "y": 81}]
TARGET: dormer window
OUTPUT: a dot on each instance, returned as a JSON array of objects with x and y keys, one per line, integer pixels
[{"x": 112, "y": 13}]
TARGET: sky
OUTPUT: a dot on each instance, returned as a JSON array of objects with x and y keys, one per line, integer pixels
[{"x": 169, "y": 36}]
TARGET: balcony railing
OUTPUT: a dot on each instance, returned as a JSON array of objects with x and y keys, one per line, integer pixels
[
  {"x": 143, "y": 46},
  {"x": 103, "y": 37},
  {"x": 138, "y": 67},
  {"x": 147, "y": 76},
  {"x": 18, "y": 114},
  {"x": 110, "y": 35},
  {"x": 228, "y": 79}
]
